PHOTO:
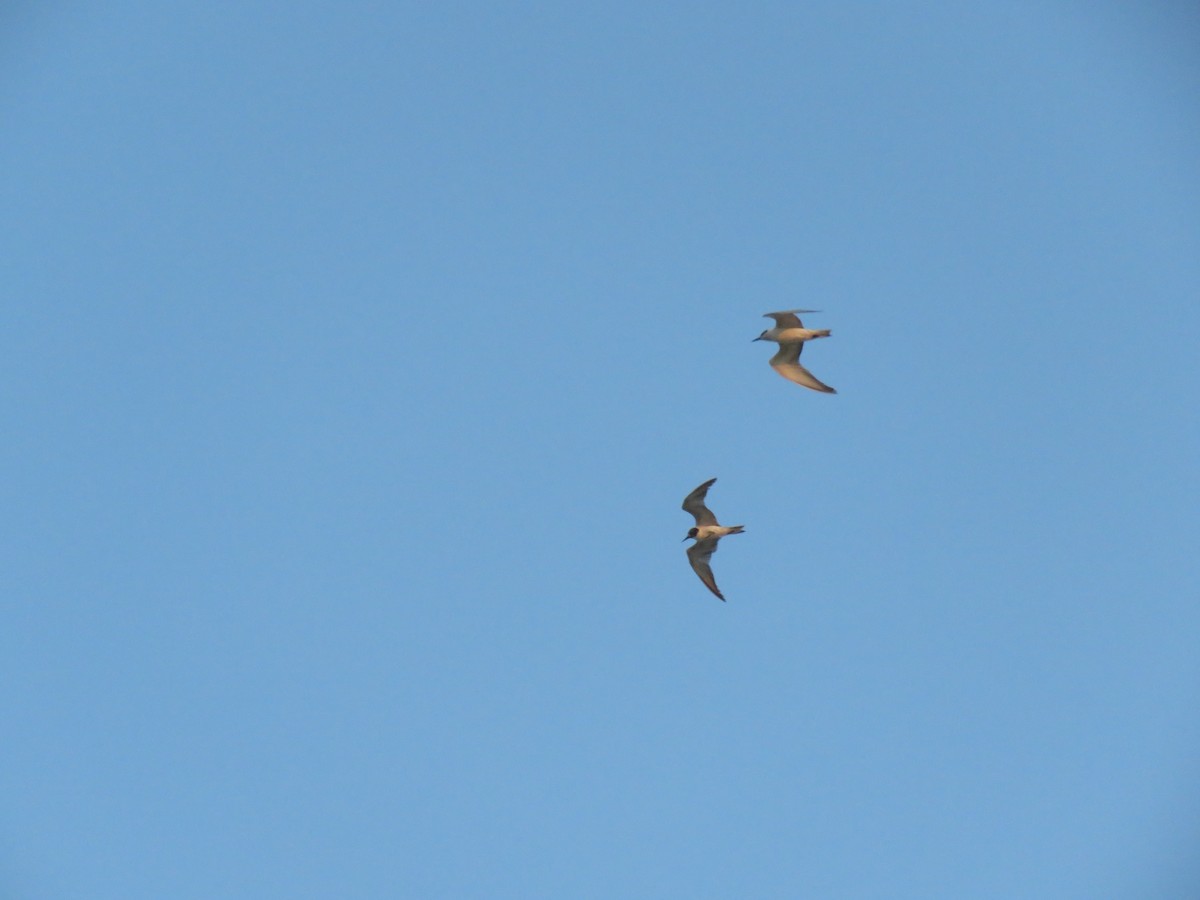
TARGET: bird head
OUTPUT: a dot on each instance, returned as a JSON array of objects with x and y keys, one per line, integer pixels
[{"x": 692, "y": 532}]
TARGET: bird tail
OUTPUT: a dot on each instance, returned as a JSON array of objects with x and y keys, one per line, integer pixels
[
  {"x": 736, "y": 529},
  {"x": 824, "y": 332}
]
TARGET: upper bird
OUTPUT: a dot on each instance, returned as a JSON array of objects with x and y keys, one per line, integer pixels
[
  {"x": 706, "y": 534},
  {"x": 791, "y": 334}
]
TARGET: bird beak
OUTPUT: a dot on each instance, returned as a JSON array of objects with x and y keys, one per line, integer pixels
[
  {"x": 759, "y": 338},
  {"x": 685, "y": 538}
]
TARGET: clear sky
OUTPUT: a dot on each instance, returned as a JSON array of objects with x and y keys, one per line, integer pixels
[{"x": 356, "y": 359}]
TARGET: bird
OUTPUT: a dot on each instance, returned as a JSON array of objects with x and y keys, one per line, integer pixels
[
  {"x": 789, "y": 332},
  {"x": 706, "y": 534}
]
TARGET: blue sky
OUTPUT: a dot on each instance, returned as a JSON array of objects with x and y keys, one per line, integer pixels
[{"x": 356, "y": 360}]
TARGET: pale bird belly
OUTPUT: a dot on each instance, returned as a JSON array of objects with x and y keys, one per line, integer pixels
[{"x": 792, "y": 335}]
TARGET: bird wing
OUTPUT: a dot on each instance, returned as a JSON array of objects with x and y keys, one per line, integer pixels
[
  {"x": 788, "y": 318},
  {"x": 787, "y": 363},
  {"x": 694, "y": 504},
  {"x": 698, "y": 555}
]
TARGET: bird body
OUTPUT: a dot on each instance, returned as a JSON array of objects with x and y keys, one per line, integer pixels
[
  {"x": 706, "y": 533},
  {"x": 789, "y": 332},
  {"x": 793, "y": 335}
]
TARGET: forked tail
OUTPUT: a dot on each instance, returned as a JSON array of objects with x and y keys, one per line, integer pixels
[{"x": 736, "y": 529}]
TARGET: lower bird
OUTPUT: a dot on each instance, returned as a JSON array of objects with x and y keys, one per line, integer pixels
[
  {"x": 789, "y": 332},
  {"x": 706, "y": 534}
]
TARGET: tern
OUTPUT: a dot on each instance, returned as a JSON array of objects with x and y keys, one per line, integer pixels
[
  {"x": 789, "y": 332},
  {"x": 706, "y": 534}
]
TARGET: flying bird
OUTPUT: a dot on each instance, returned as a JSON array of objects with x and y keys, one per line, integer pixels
[
  {"x": 706, "y": 534},
  {"x": 789, "y": 332}
]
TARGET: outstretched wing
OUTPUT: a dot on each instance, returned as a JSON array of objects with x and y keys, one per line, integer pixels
[
  {"x": 787, "y": 363},
  {"x": 694, "y": 504},
  {"x": 698, "y": 555},
  {"x": 788, "y": 318}
]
